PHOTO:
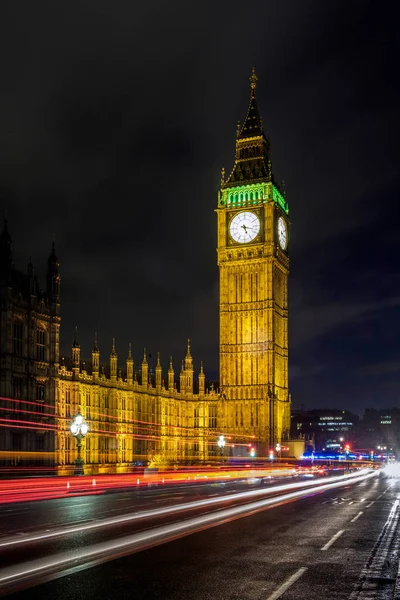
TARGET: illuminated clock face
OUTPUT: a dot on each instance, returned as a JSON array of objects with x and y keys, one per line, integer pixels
[
  {"x": 282, "y": 233},
  {"x": 244, "y": 227}
]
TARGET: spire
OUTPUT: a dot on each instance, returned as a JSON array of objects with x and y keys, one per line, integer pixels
[
  {"x": 76, "y": 355},
  {"x": 171, "y": 376},
  {"x": 129, "y": 366},
  {"x": 188, "y": 355},
  {"x": 113, "y": 362},
  {"x": 53, "y": 277},
  {"x": 158, "y": 372},
  {"x": 202, "y": 380},
  {"x": 76, "y": 343},
  {"x": 53, "y": 256},
  {"x": 252, "y": 125},
  {"x": 253, "y": 82},
  {"x": 252, "y": 147},
  {"x": 145, "y": 370},
  {"x": 95, "y": 358}
]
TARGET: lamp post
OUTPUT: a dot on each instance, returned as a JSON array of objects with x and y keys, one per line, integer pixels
[
  {"x": 221, "y": 445},
  {"x": 278, "y": 449},
  {"x": 79, "y": 429}
]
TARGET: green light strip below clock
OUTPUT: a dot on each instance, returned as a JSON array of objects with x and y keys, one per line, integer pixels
[{"x": 253, "y": 194}]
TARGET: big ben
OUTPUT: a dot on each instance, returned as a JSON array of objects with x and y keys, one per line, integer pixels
[{"x": 253, "y": 260}]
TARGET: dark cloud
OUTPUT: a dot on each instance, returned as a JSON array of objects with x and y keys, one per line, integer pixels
[{"x": 115, "y": 120}]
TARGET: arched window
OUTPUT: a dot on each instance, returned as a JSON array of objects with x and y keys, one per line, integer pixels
[
  {"x": 18, "y": 337},
  {"x": 40, "y": 343}
]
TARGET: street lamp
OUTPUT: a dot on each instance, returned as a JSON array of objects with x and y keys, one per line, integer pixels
[
  {"x": 79, "y": 429},
  {"x": 221, "y": 445},
  {"x": 278, "y": 449}
]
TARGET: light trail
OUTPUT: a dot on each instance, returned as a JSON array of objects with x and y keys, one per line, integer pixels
[
  {"x": 47, "y": 568},
  {"x": 171, "y": 510}
]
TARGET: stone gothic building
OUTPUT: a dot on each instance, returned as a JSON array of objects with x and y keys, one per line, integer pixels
[{"x": 140, "y": 416}]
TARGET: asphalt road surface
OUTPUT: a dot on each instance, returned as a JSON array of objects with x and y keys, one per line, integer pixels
[{"x": 340, "y": 543}]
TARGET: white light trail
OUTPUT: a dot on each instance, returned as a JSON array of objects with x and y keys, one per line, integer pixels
[
  {"x": 22, "y": 575},
  {"x": 208, "y": 503}
]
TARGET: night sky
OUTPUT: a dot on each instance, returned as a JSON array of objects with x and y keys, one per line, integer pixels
[{"x": 116, "y": 118}]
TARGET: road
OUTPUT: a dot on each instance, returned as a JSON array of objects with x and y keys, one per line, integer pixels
[{"x": 317, "y": 546}]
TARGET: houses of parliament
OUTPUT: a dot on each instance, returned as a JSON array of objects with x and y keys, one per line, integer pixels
[{"x": 136, "y": 415}]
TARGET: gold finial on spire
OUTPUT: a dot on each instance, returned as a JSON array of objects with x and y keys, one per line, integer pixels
[
  {"x": 129, "y": 351},
  {"x": 188, "y": 348},
  {"x": 253, "y": 81},
  {"x": 222, "y": 176},
  {"x": 158, "y": 360},
  {"x": 238, "y": 129}
]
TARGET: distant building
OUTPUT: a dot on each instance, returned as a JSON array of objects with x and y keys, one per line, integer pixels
[
  {"x": 380, "y": 429},
  {"x": 325, "y": 429}
]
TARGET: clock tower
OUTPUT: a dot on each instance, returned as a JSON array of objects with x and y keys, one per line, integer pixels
[{"x": 253, "y": 262}]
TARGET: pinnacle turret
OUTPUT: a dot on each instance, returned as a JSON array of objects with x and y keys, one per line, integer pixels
[
  {"x": 95, "y": 358},
  {"x": 75, "y": 343},
  {"x": 113, "y": 362},
  {"x": 158, "y": 372},
  {"x": 95, "y": 344},
  {"x": 129, "y": 365}
]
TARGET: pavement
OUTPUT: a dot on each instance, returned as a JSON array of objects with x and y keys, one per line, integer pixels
[{"x": 333, "y": 544}]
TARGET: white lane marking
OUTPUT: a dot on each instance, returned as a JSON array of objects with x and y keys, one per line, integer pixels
[
  {"x": 352, "y": 502},
  {"x": 332, "y": 540},
  {"x": 354, "y": 519},
  {"x": 370, "y": 504},
  {"x": 379, "y": 497},
  {"x": 281, "y": 590}
]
